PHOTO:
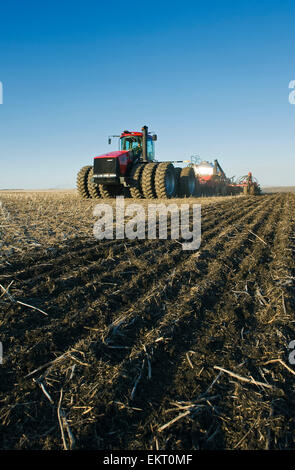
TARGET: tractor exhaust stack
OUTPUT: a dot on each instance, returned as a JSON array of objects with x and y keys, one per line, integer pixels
[{"x": 144, "y": 143}]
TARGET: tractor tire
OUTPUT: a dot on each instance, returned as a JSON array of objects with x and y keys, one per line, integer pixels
[
  {"x": 82, "y": 182},
  {"x": 205, "y": 190},
  {"x": 223, "y": 190},
  {"x": 148, "y": 180},
  {"x": 135, "y": 176},
  {"x": 245, "y": 190},
  {"x": 198, "y": 188},
  {"x": 93, "y": 189},
  {"x": 177, "y": 180},
  {"x": 108, "y": 191},
  {"x": 126, "y": 192},
  {"x": 165, "y": 183},
  {"x": 187, "y": 182}
]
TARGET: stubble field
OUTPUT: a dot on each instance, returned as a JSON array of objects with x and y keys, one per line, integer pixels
[{"x": 137, "y": 344}]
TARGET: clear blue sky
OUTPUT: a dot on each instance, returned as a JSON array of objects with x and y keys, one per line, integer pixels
[{"x": 210, "y": 77}]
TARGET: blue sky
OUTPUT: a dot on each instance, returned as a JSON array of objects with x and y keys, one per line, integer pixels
[{"x": 209, "y": 77}]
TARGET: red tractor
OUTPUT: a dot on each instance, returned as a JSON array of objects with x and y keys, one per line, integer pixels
[{"x": 133, "y": 171}]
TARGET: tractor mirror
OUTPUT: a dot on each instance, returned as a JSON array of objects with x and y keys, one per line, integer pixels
[
  {"x": 154, "y": 137},
  {"x": 110, "y": 140}
]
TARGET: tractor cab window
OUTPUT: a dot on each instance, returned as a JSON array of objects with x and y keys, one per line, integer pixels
[
  {"x": 150, "y": 150},
  {"x": 128, "y": 143}
]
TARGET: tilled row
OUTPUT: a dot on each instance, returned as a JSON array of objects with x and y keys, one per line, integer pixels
[
  {"x": 231, "y": 336},
  {"x": 116, "y": 288},
  {"x": 158, "y": 326},
  {"x": 174, "y": 336}
]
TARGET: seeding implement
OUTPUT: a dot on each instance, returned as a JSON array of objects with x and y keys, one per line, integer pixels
[
  {"x": 211, "y": 180},
  {"x": 249, "y": 185}
]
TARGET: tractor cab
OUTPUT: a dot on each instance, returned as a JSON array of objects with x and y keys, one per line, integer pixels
[
  {"x": 134, "y": 141},
  {"x": 130, "y": 141}
]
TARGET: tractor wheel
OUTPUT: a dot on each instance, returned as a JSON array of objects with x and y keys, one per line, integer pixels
[
  {"x": 148, "y": 181},
  {"x": 93, "y": 189},
  {"x": 109, "y": 191},
  {"x": 177, "y": 180},
  {"x": 82, "y": 180},
  {"x": 135, "y": 176},
  {"x": 198, "y": 188},
  {"x": 126, "y": 192},
  {"x": 165, "y": 180},
  {"x": 205, "y": 190},
  {"x": 187, "y": 182},
  {"x": 223, "y": 190}
]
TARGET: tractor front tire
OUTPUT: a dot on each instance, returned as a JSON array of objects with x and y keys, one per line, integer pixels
[
  {"x": 93, "y": 188},
  {"x": 135, "y": 176},
  {"x": 109, "y": 191},
  {"x": 82, "y": 182}
]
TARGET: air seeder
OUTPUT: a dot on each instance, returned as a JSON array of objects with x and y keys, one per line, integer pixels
[{"x": 211, "y": 180}]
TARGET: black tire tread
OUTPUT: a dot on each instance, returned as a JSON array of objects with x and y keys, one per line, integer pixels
[
  {"x": 136, "y": 174},
  {"x": 93, "y": 189},
  {"x": 148, "y": 181},
  {"x": 108, "y": 191},
  {"x": 184, "y": 175},
  {"x": 82, "y": 180},
  {"x": 177, "y": 180},
  {"x": 160, "y": 186}
]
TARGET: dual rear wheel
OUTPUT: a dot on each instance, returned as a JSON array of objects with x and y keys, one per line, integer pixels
[
  {"x": 147, "y": 180},
  {"x": 164, "y": 181},
  {"x": 153, "y": 181},
  {"x": 82, "y": 182}
]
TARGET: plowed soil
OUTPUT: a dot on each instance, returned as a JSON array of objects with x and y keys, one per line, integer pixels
[{"x": 137, "y": 344}]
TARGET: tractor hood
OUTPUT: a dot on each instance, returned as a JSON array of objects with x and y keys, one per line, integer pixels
[
  {"x": 118, "y": 161},
  {"x": 116, "y": 154}
]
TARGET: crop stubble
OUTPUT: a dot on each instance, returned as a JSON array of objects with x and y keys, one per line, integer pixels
[{"x": 139, "y": 329}]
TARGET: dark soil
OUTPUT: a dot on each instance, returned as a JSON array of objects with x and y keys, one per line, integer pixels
[{"x": 138, "y": 331}]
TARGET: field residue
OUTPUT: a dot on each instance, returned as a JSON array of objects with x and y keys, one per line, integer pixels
[{"x": 137, "y": 344}]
